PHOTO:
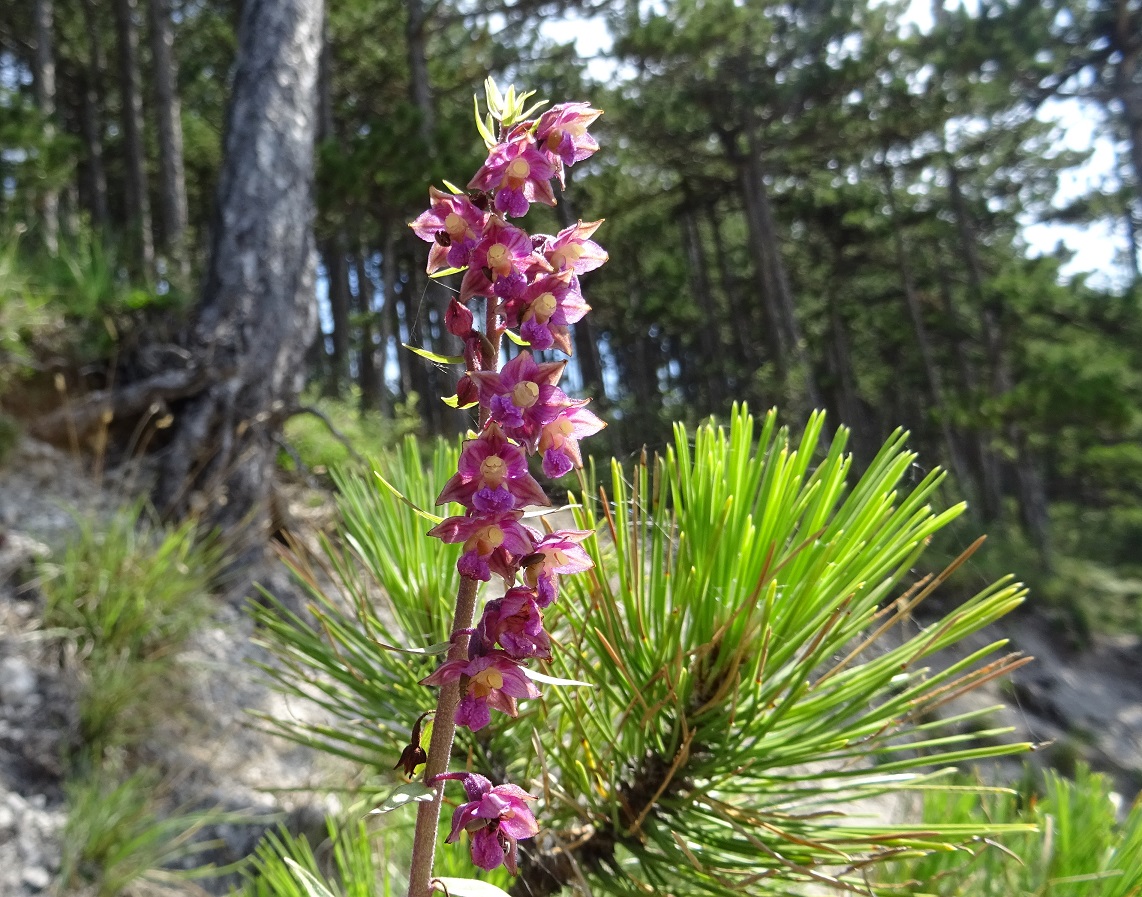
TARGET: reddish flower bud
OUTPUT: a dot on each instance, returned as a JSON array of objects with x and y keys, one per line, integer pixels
[
  {"x": 467, "y": 392},
  {"x": 458, "y": 319}
]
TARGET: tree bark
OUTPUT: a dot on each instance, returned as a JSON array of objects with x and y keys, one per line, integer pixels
[
  {"x": 257, "y": 312},
  {"x": 44, "y": 78},
  {"x": 923, "y": 341},
  {"x": 168, "y": 109},
  {"x": 337, "y": 276},
  {"x": 368, "y": 377},
  {"x": 1128, "y": 85},
  {"x": 138, "y": 200},
  {"x": 777, "y": 295},
  {"x": 1032, "y": 497},
  {"x": 744, "y": 324},
  {"x": 390, "y": 317},
  {"x": 92, "y": 120},
  {"x": 711, "y": 366},
  {"x": 980, "y": 454},
  {"x": 419, "y": 85}
]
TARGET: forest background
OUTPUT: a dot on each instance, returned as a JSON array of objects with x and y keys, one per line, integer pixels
[{"x": 809, "y": 205}]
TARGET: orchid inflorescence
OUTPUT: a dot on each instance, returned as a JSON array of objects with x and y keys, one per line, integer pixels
[{"x": 529, "y": 285}]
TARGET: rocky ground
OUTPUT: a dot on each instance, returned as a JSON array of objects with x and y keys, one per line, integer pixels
[
  {"x": 1080, "y": 704},
  {"x": 210, "y": 758}
]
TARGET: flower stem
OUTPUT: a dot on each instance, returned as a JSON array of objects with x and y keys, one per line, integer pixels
[{"x": 440, "y": 750}]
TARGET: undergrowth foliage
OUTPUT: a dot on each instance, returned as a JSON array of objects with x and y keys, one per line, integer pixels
[
  {"x": 126, "y": 595},
  {"x": 1080, "y": 849},
  {"x": 748, "y": 631}
]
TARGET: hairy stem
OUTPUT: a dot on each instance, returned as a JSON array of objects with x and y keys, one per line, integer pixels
[{"x": 440, "y": 749}]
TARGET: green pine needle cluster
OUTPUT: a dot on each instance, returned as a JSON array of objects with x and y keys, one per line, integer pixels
[{"x": 759, "y": 677}]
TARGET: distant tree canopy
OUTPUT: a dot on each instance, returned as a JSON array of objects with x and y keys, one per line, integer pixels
[{"x": 806, "y": 204}]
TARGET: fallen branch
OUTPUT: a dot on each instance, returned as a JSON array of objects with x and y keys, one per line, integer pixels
[{"x": 103, "y": 406}]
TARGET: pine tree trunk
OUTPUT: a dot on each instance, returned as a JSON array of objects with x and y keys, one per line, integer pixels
[
  {"x": 137, "y": 197},
  {"x": 923, "y": 341},
  {"x": 1127, "y": 86},
  {"x": 368, "y": 376},
  {"x": 337, "y": 275},
  {"x": 1128, "y": 91},
  {"x": 91, "y": 120},
  {"x": 390, "y": 320},
  {"x": 421, "y": 88},
  {"x": 711, "y": 367},
  {"x": 168, "y": 112},
  {"x": 1031, "y": 494},
  {"x": 44, "y": 79},
  {"x": 745, "y": 325},
  {"x": 793, "y": 361},
  {"x": 257, "y": 313},
  {"x": 981, "y": 457}
]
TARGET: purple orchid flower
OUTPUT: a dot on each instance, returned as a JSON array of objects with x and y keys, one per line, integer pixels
[
  {"x": 496, "y": 818},
  {"x": 491, "y": 543},
  {"x": 523, "y": 396},
  {"x": 518, "y": 172},
  {"x": 556, "y": 553},
  {"x": 573, "y": 248},
  {"x": 545, "y": 308},
  {"x": 489, "y": 680},
  {"x": 500, "y": 262},
  {"x": 453, "y": 225},
  {"x": 515, "y": 622},
  {"x": 492, "y": 476},
  {"x": 562, "y": 134},
  {"x": 559, "y": 440}
]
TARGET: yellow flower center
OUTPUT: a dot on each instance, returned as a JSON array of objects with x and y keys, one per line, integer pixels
[
  {"x": 525, "y": 394},
  {"x": 493, "y": 470},
  {"x": 555, "y": 434},
  {"x": 485, "y": 540},
  {"x": 499, "y": 259},
  {"x": 544, "y": 307},
  {"x": 516, "y": 174},
  {"x": 566, "y": 256},
  {"x": 485, "y": 682},
  {"x": 456, "y": 226}
]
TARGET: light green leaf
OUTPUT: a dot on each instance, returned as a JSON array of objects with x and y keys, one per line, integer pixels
[
  {"x": 495, "y": 98},
  {"x": 553, "y": 680},
  {"x": 454, "y": 402},
  {"x": 447, "y": 272},
  {"x": 485, "y": 130},
  {"x": 438, "y": 648},
  {"x": 516, "y": 338},
  {"x": 313, "y": 887},
  {"x": 468, "y": 887},
  {"x": 433, "y": 356},
  {"x": 419, "y": 511},
  {"x": 456, "y": 190},
  {"x": 408, "y": 793},
  {"x": 535, "y": 107}
]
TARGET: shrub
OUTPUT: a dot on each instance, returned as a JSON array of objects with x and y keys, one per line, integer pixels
[{"x": 749, "y": 635}]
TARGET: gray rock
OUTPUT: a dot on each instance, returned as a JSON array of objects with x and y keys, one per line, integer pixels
[
  {"x": 36, "y": 877},
  {"x": 17, "y": 681}
]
